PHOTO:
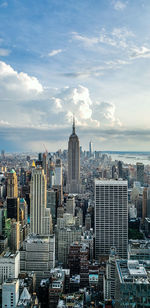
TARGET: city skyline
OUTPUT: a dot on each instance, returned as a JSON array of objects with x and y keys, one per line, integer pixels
[{"x": 89, "y": 58}]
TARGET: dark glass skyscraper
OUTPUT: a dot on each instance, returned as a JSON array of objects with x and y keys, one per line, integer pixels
[{"x": 140, "y": 173}]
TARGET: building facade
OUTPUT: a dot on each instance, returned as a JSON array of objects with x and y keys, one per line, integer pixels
[
  {"x": 38, "y": 255},
  {"x": 111, "y": 217},
  {"x": 9, "y": 266},
  {"x": 12, "y": 184},
  {"x": 132, "y": 284},
  {"x": 73, "y": 163},
  {"x": 140, "y": 173},
  {"x": 10, "y": 293},
  {"x": 40, "y": 216}
]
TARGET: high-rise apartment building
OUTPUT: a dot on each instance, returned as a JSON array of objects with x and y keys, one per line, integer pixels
[
  {"x": 15, "y": 236},
  {"x": 9, "y": 266},
  {"x": 73, "y": 163},
  {"x": 12, "y": 185},
  {"x": 111, "y": 217},
  {"x": 109, "y": 277},
  {"x": 40, "y": 216},
  {"x": 10, "y": 293},
  {"x": 140, "y": 173},
  {"x": 58, "y": 172}
]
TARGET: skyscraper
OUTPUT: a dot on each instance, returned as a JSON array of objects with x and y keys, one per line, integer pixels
[
  {"x": 58, "y": 179},
  {"x": 111, "y": 217},
  {"x": 120, "y": 171},
  {"x": 90, "y": 148},
  {"x": 73, "y": 162},
  {"x": 12, "y": 196},
  {"x": 13, "y": 208},
  {"x": 40, "y": 215},
  {"x": 140, "y": 173},
  {"x": 12, "y": 185}
]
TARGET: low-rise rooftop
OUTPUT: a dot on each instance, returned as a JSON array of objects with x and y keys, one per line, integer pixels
[{"x": 133, "y": 271}]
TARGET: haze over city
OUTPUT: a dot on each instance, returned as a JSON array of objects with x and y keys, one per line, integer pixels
[{"x": 90, "y": 58}]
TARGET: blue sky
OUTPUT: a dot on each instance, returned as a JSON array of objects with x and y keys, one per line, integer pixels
[{"x": 90, "y": 58}]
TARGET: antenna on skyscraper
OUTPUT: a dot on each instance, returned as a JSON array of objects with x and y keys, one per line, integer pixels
[{"x": 73, "y": 127}]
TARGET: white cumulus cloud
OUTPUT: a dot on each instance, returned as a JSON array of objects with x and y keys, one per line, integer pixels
[
  {"x": 25, "y": 103},
  {"x": 105, "y": 111},
  {"x": 75, "y": 101},
  {"x": 14, "y": 84}
]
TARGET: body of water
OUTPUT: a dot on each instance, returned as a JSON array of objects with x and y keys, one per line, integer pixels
[{"x": 131, "y": 157}]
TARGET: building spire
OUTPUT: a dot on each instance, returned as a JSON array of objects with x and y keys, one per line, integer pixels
[{"x": 73, "y": 126}]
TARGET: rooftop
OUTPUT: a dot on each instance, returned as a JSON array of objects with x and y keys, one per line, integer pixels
[
  {"x": 71, "y": 300},
  {"x": 11, "y": 281},
  {"x": 110, "y": 182},
  {"x": 139, "y": 244},
  {"x": 33, "y": 238},
  {"x": 9, "y": 254},
  {"x": 133, "y": 271},
  {"x": 12, "y": 171}
]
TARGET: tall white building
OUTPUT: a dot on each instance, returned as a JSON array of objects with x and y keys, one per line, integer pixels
[
  {"x": 58, "y": 172},
  {"x": 40, "y": 216},
  {"x": 111, "y": 217},
  {"x": 9, "y": 266},
  {"x": 10, "y": 293}
]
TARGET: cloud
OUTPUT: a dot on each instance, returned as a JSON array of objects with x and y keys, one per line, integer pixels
[
  {"x": 17, "y": 85},
  {"x": 4, "y": 52},
  {"x": 32, "y": 139},
  {"x": 86, "y": 73},
  {"x": 96, "y": 70},
  {"x": 106, "y": 113},
  {"x": 3, "y": 123},
  {"x": 75, "y": 101},
  {"x": 142, "y": 52},
  {"x": 54, "y": 52},
  {"x": 119, "y": 5},
  {"x": 27, "y": 106},
  {"x": 118, "y": 37},
  {"x": 87, "y": 40}
]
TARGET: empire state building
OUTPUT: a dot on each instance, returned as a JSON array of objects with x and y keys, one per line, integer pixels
[{"x": 73, "y": 185}]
